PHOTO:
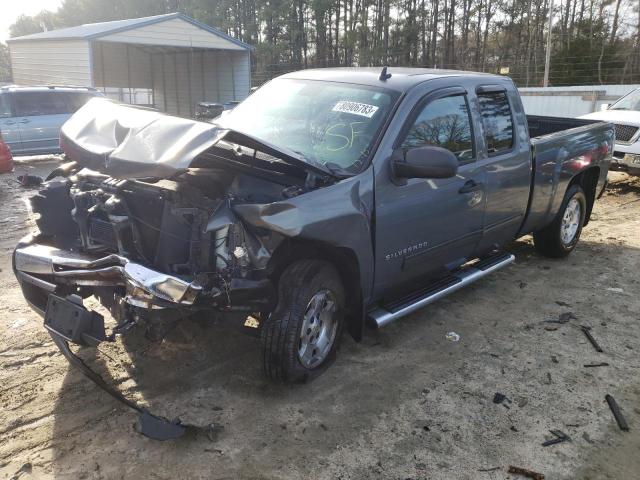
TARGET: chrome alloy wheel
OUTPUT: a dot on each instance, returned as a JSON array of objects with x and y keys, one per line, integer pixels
[
  {"x": 319, "y": 328},
  {"x": 570, "y": 221}
]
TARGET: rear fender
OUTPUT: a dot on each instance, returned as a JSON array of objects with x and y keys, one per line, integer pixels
[{"x": 589, "y": 170}]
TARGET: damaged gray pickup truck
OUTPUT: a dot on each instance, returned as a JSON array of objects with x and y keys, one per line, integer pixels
[{"x": 329, "y": 198}]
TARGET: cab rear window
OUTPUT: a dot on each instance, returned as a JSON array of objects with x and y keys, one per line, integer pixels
[{"x": 496, "y": 121}]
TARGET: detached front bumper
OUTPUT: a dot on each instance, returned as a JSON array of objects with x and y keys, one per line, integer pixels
[
  {"x": 45, "y": 273},
  {"x": 42, "y": 270}
]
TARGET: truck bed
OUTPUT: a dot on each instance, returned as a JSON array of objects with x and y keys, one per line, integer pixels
[
  {"x": 556, "y": 145},
  {"x": 540, "y": 125}
]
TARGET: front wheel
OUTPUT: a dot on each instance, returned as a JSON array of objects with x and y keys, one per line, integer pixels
[
  {"x": 558, "y": 239},
  {"x": 299, "y": 338}
]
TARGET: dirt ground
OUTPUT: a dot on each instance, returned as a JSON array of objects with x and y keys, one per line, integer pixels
[{"x": 405, "y": 403}]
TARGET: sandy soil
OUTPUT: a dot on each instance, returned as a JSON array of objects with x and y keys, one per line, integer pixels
[{"x": 405, "y": 403}]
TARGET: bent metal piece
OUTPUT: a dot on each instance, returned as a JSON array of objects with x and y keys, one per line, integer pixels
[{"x": 46, "y": 260}]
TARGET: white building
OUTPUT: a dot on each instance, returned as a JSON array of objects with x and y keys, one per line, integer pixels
[
  {"x": 168, "y": 61},
  {"x": 570, "y": 101}
]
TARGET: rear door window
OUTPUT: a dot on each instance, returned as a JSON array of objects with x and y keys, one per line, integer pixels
[
  {"x": 443, "y": 122},
  {"x": 5, "y": 106},
  {"x": 30, "y": 104},
  {"x": 496, "y": 121}
]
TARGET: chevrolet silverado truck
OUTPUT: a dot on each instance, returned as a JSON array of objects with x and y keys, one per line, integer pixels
[{"x": 328, "y": 199}]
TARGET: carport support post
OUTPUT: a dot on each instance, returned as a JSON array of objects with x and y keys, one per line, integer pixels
[
  {"x": 175, "y": 74},
  {"x": 102, "y": 72},
  {"x": 153, "y": 83},
  {"x": 217, "y": 78},
  {"x": 233, "y": 76},
  {"x": 128, "y": 71},
  {"x": 204, "y": 94},
  {"x": 164, "y": 82},
  {"x": 189, "y": 81}
]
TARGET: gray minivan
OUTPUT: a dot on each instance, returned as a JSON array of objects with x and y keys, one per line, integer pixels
[{"x": 31, "y": 117}]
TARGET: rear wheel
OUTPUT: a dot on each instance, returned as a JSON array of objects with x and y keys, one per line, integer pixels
[
  {"x": 558, "y": 239},
  {"x": 299, "y": 338}
]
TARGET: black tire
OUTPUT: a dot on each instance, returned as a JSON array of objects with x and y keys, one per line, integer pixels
[
  {"x": 281, "y": 332},
  {"x": 548, "y": 241}
]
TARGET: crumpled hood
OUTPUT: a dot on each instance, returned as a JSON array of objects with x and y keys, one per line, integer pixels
[
  {"x": 132, "y": 142},
  {"x": 626, "y": 117},
  {"x": 128, "y": 142}
]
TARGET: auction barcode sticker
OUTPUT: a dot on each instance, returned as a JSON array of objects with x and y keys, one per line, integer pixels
[{"x": 355, "y": 108}]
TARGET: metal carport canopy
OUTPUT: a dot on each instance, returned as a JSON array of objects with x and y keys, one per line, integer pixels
[{"x": 181, "y": 60}]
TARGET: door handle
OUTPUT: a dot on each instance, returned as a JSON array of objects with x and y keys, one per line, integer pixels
[
  {"x": 470, "y": 186},
  {"x": 9, "y": 122},
  {"x": 25, "y": 120}
]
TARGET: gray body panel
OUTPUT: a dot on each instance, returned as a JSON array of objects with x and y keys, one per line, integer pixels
[
  {"x": 407, "y": 244},
  {"x": 557, "y": 158},
  {"x": 338, "y": 215}
]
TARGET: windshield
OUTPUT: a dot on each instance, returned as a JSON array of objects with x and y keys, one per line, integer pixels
[
  {"x": 629, "y": 102},
  {"x": 327, "y": 123}
]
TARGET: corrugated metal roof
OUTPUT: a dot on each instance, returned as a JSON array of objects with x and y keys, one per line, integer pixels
[{"x": 92, "y": 31}]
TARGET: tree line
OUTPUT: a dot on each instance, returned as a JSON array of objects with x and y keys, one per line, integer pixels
[{"x": 593, "y": 41}]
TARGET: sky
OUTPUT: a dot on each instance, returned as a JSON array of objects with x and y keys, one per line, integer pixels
[{"x": 12, "y": 9}]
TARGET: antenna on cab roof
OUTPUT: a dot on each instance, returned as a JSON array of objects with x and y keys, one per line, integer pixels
[{"x": 383, "y": 74}]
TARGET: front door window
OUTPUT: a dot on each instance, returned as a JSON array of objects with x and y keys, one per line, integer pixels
[{"x": 445, "y": 123}]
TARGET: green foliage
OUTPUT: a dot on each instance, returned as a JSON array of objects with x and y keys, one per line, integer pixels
[
  {"x": 577, "y": 61},
  {"x": 25, "y": 25}
]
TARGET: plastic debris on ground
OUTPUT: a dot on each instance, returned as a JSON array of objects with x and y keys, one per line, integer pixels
[{"x": 452, "y": 337}]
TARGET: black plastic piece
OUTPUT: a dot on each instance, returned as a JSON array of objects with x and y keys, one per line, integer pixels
[
  {"x": 491, "y": 260},
  {"x": 149, "y": 425},
  {"x": 67, "y": 318},
  {"x": 159, "y": 428},
  {"x": 409, "y": 299},
  {"x": 594, "y": 342},
  {"x": 54, "y": 205},
  {"x": 260, "y": 293},
  {"x": 560, "y": 437},
  {"x": 615, "y": 409}
]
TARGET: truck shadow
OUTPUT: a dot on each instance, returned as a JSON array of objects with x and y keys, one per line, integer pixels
[{"x": 212, "y": 374}]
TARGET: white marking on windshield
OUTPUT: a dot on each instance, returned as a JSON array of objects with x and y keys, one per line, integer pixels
[{"x": 355, "y": 108}]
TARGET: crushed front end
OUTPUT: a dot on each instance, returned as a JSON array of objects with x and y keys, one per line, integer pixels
[
  {"x": 152, "y": 252},
  {"x": 154, "y": 241}
]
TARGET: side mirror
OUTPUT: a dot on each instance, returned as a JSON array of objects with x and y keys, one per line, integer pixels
[
  {"x": 426, "y": 162},
  {"x": 604, "y": 106}
]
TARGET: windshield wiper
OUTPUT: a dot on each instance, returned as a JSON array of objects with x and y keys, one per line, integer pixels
[
  {"x": 338, "y": 170},
  {"x": 284, "y": 154},
  {"x": 333, "y": 168}
]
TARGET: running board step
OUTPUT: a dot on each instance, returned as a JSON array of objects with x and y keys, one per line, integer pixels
[{"x": 462, "y": 277}]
